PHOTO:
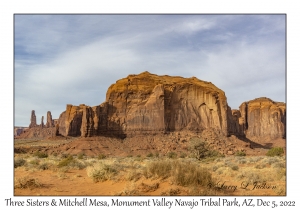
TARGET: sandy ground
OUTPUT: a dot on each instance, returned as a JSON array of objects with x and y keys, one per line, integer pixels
[{"x": 77, "y": 183}]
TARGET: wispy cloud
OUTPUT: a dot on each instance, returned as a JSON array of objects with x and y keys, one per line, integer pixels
[{"x": 61, "y": 59}]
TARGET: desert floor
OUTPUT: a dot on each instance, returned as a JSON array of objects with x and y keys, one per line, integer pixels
[{"x": 36, "y": 174}]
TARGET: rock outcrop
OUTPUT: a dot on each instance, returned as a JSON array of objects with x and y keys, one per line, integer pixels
[
  {"x": 32, "y": 120},
  {"x": 38, "y": 131},
  {"x": 263, "y": 117},
  {"x": 49, "y": 122},
  {"x": 42, "y": 122},
  {"x": 150, "y": 104}
]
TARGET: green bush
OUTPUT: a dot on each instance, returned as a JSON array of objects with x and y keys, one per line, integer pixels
[
  {"x": 201, "y": 149},
  {"x": 235, "y": 167},
  {"x": 19, "y": 162},
  {"x": 182, "y": 155},
  {"x": 101, "y": 156},
  {"x": 65, "y": 161},
  {"x": 40, "y": 154},
  {"x": 150, "y": 155},
  {"x": 172, "y": 155},
  {"x": 240, "y": 153},
  {"x": 80, "y": 156},
  {"x": 276, "y": 151},
  {"x": 101, "y": 172}
]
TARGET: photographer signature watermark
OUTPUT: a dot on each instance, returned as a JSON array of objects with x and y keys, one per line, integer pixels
[{"x": 223, "y": 185}]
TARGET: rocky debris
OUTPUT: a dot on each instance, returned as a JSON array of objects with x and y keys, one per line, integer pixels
[
  {"x": 50, "y": 122},
  {"x": 32, "y": 120}
]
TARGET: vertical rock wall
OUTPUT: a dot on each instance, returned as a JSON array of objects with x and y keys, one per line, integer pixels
[{"x": 150, "y": 104}]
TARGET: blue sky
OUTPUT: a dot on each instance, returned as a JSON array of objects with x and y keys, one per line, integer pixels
[{"x": 73, "y": 59}]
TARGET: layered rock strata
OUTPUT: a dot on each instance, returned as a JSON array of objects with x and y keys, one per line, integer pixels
[
  {"x": 149, "y": 104},
  {"x": 263, "y": 117}
]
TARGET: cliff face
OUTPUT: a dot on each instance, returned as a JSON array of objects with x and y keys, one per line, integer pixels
[
  {"x": 149, "y": 104},
  {"x": 263, "y": 117}
]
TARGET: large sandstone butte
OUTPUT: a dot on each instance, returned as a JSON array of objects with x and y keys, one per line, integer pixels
[
  {"x": 150, "y": 104},
  {"x": 263, "y": 117}
]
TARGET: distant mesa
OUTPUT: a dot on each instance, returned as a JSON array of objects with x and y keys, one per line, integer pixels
[{"x": 148, "y": 104}]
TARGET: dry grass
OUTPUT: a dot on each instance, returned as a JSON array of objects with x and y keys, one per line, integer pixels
[
  {"x": 188, "y": 175},
  {"x": 182, "y": 173},
  {"x": 101, "y": 172},
  {"x": 26, "y": 182}
]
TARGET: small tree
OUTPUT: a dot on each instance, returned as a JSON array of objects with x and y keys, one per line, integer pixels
[{"x": 199, "y": 148}]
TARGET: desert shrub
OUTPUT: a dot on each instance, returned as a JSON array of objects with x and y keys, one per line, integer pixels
[
  {"x": 40, "y": 154},
  {"x": 255, "y": 159},
  {"x": 43, "y": 166},
  {"x": 34, "y": 162},
  {"x": 188, "y": 174},
  {"x": 132, "y": 175},
  {"x": 150, "y": 155},
  {"x": 279, "y": 165},
  {"x": 200, "y": 150},
  {"x": 172, "y": 155},
  {"x": 235, "y": 167},
  {"x": 254, "y": 175},
  {"x": 101, "y": 172},
  {"x": 101, "y": 156},
  {"x": 215, "y": 167},
  {"x": 171, "y": 192},
  {"x": 80, "y": 156},
  {"x": 26, "y": 182},
  {"x": 183, "y": 174},
  {"x": 260, "y": 166},
  {"x": 271, "y": 160},
  {"x": 66, "y": 161},
  {"x": 147, "y": 188},
  {"x": 240, "y": 153},
  {"x": 220, "y": 170},
  {"x": 183, "y": 155},
  {"x": 19, "y": 162},
  {"x": 160, "y": 168},
  {"x": 275, "y": 151},
  {"x": 281, "y": 174},
  {"x": 64, "y": 155},
  {"x": 242, "y": 161}
]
